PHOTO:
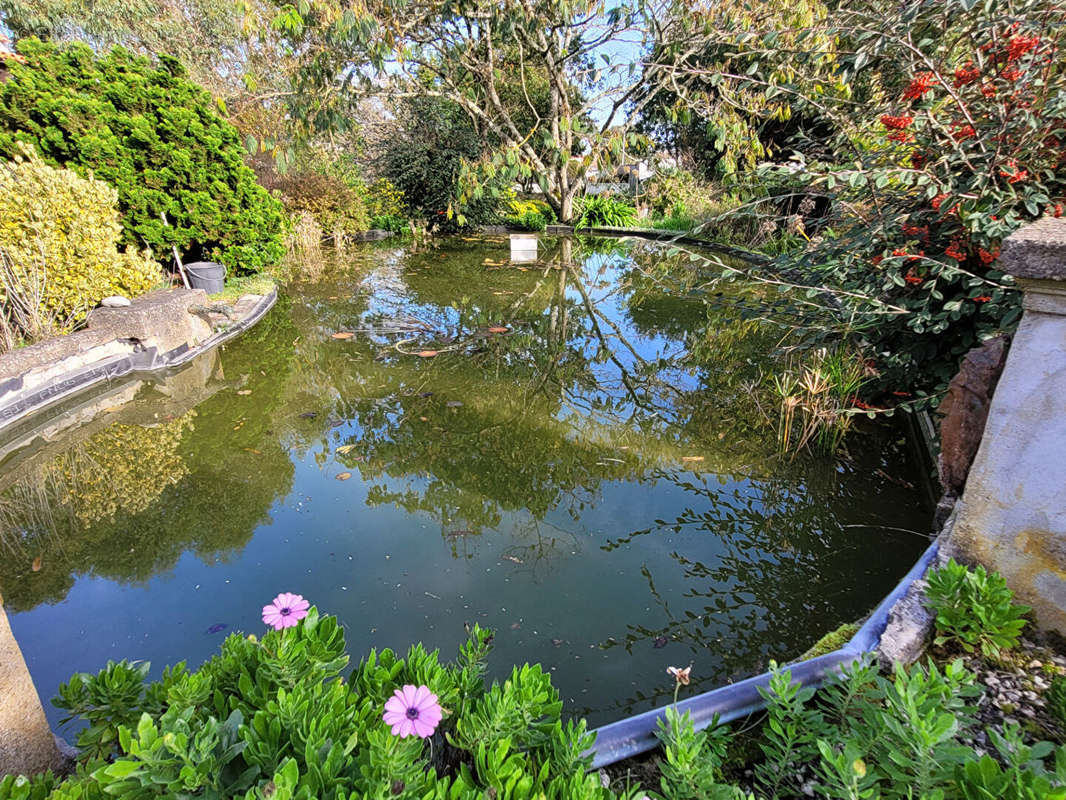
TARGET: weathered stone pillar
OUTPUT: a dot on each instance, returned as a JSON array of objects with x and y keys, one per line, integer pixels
[
  {"x": 1012, "y": 515},
  {"x": 27, "y": 745}
]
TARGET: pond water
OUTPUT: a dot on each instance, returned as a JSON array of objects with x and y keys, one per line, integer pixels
[{"x": 566, "y": 451}]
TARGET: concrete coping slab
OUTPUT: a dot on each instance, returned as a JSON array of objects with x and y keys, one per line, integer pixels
[{"x": 1037, "y": 251}]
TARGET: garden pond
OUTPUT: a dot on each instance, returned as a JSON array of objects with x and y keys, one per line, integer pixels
[{"x": 568, "y": 451}]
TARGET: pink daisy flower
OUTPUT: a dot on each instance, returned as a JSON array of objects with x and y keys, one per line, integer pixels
[
  {"x": 412, "y": 710},
  {"x": 285, "y": 611}
]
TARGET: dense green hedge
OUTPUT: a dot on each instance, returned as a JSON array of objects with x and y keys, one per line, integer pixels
[{"x": 156, "y": 137}]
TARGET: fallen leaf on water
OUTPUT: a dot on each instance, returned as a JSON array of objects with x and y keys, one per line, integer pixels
[
  {"x": 557, "y": 642},
  {"x": 516, "y": 625},
  {"x": 343, "y": 335},
  {"x": 514, "y": 559},
  {"x": 344, "y": 476},
  {"x": 498, "y": 329},
  {"x": 36, "y": 567},
  {"x": 217, "y": 627},
  {"x": 244, "y": 392},
  {"x": 659, "y": 642},
  {"x": 427, "y": 353},
  {"x": 345, "y": 448},
  {"x": 692, "y": 458}
]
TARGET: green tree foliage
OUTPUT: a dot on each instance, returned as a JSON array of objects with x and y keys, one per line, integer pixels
[
  {"x": 943, "y": 127},
  {"x": 534, "y": 78},
  {"x": 710, "y": 110},
  {"x": 156, "y": 137},
  {"x": 433, "y": 139}
]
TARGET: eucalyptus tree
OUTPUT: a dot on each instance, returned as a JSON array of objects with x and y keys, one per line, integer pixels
[{"x": 551, "y": 84}]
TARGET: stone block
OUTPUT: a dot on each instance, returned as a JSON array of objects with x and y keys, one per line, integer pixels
[
  {"x": 1012, "y": 514},
  {"x": 27, "y": 745},
  {"x": 1037, "y": 251}
]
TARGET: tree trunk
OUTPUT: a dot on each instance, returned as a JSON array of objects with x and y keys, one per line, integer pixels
[
  {"x": 566, "y": 208},
  {"x": 27, "y": 744}
]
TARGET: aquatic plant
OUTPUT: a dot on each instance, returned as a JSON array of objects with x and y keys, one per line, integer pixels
[{"x": 608, "y": 210}]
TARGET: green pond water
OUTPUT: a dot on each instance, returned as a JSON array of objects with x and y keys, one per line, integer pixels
[{"x": 596, "y": 482}]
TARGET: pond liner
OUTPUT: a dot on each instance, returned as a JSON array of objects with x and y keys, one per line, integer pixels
[
  {"x": 141, "y": 360},
  {"x": 634, "y": 735}
]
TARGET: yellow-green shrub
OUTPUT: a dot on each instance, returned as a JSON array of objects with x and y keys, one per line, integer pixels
[
  {"x": 59, "y": 233},
  {"x": 383, "y": 199}
]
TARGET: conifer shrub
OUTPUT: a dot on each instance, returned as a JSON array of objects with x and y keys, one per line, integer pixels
[
  {"x": 158, "y": 138},
  {"x": 59, "y": 235}
]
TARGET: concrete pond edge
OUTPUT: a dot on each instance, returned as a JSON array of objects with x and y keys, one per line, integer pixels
[{"x": 156, "y": 332}]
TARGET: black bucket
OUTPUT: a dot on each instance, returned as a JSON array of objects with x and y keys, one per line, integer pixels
[{"x": 206, "y": 275}]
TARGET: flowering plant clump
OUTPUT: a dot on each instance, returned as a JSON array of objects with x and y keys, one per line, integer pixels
[{"x": 272, "y": 717}]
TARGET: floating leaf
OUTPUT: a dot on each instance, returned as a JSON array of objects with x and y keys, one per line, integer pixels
[
  {"x": 344, "y": 476},
  {"x": 427, "y": 353},
  {"x": 217, "y": 627},
  {"x": 343, "y": 335},
  {"x": 36, "y": 567},
  {"x": 345, "y": 448},
  {"x": 659, "y": 642}
]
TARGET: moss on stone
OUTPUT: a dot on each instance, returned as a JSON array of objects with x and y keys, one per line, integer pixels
[{"x": 833, "y": 640}]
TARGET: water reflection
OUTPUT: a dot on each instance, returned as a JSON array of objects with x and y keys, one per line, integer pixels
[{"x": 568, "y": 450}]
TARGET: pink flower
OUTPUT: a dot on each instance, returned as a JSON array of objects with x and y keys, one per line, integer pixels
[
  {"x": 412, "y": 710},
  {"x": 286, "y": 610}
]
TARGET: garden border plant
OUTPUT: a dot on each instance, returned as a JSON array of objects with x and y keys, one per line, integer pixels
[{"x": 271, "y": 717}]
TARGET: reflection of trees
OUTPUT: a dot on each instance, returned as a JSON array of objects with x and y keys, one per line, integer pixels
[
  {"x": 577, "y": 393},
  {"x": 780, "y": 560},
  {"x": 130, "y": 500}
]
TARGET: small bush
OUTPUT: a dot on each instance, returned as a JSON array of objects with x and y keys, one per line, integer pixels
[
  {"x": 383, "y": 199},
  {"x": 529, "y": 221},
  {"x": 974, "y": 609},
  {"x": 147, "y": 130},
  {"x": 605, "y": 210},
  {"x": 677, "y": 193},
  {"x": 335, "y": 206},
  {"x": 58, "y": 249},
  {"x": 388, "y": 222}
]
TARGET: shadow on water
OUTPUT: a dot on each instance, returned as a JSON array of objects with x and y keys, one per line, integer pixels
[{"x": 569, "y": 451}]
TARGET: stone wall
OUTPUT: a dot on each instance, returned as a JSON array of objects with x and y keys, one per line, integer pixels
[{"x": 1012, "y": 515}]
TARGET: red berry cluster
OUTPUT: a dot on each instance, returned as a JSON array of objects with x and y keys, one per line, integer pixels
[{"x": 896, "y": 123}]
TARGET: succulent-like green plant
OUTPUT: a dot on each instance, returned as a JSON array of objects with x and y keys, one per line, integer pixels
[{"x": 974, "y": 609}]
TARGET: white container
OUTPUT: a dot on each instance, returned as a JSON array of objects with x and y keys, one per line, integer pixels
[{"x": 523, "y": 247}]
